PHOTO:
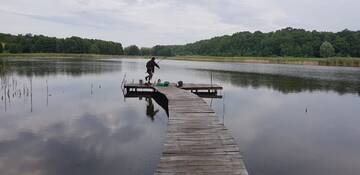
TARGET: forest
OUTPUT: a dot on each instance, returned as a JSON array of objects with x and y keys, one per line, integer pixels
[
  {"x": 42, "y": 44},
  {"x": 288, "y": 42}
]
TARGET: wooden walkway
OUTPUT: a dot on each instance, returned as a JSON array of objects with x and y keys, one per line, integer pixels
[
  {"x": 135, "y": 87},
  {"x": 196, "y": 142}
]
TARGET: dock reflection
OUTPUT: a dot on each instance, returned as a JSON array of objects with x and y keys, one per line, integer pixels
[
  {"x": 149, "y": 96},
  {"x": 161, "y": 100},
  {"x": 150, "y": 110}
]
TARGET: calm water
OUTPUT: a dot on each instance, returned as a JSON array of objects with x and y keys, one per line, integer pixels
[{"x": 70, "y": 116}]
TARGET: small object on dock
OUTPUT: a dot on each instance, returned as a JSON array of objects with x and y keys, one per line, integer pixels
[
  {"x": 165, "y": 84},
  {"x": 160, "y": 84},
  {"x": 180, "y": 83}
]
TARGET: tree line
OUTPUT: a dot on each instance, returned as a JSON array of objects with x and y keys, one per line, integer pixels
[
  {"x": 157, "y": 50},
  {"x": 286, "y": 42},
  {"x": 42, "y": 44}
]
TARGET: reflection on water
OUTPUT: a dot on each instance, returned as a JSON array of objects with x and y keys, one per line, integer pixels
[
  {"x": 150, "y": 111},
  {"x": 287, "y": 84},
  {"x": 16, "y": 90},
  {"x": 71, "y": 121},
  {"x": 44, "y": 67},
  {"x": 60, "y": 116}
]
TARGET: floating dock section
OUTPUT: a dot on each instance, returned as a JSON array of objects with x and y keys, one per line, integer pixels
[{"x": 196, "y": 142}]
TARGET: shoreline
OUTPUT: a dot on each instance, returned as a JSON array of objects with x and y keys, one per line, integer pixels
[{"x": 335, "y": 61}]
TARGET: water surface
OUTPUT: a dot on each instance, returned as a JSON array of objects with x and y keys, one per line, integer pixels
[{"x": 68, "y": 116}]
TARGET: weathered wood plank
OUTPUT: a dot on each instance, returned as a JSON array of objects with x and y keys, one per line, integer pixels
[{"x": 196, "y": 142}]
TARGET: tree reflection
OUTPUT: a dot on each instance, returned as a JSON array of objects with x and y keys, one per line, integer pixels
[
  {"x": 287, "y": 84},
  {"x": 45, "y": 67}
]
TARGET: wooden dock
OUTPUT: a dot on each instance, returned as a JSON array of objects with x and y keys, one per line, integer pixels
[
  {"x": 134, "y": 87},
  {"x": 196, "y": 142}
]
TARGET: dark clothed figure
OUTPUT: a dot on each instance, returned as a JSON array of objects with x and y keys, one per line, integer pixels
[{"x": 150, "y": 69}]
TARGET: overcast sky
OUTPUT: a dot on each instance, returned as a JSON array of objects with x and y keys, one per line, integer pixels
[{"x": 151, "y": 22}]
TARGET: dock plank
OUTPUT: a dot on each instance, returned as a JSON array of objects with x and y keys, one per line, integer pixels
[{"x": 196, "y": 142}]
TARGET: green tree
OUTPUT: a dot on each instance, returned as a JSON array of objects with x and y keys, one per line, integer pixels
[
  {"x": 44, "y": 44},
  {"x": 94, "y": 49},
  {"x": 85, "y": 45},
  {"x": 60, "y": 48},
  {"x": 284, "y": 42},
  {"x": 161, "y": 51},
  {"x": 38, "y": 43},
  {"x": 132, "y": 50},
  {"x": 341, "y": 46},
  {"x": 13, "y": 48},
  {"x": 70, "y": 46},
  {"x": 145, "y": 51},
  {"x": 1, "y": 47},
  {"x": 119, "y": 49},
  {"x": 327, "y": 50}
]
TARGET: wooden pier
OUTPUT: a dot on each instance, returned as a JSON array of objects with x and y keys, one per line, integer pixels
[
  {"x": 133, "y": 87},
  {"x": 196, "y": 142}
]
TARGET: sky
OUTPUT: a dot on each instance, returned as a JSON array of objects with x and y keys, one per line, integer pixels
[{"x": 150, "y": 22}]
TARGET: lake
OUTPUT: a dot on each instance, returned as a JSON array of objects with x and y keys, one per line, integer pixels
[{"x": 69, "y": 116}]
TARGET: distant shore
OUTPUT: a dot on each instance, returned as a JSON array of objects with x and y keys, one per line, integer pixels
[{"x": 334, "y": 61}]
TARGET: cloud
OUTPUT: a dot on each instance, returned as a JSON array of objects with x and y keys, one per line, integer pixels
[
  {"x": 151, "y": 22},
  {"x": 86, "y": 145}
]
